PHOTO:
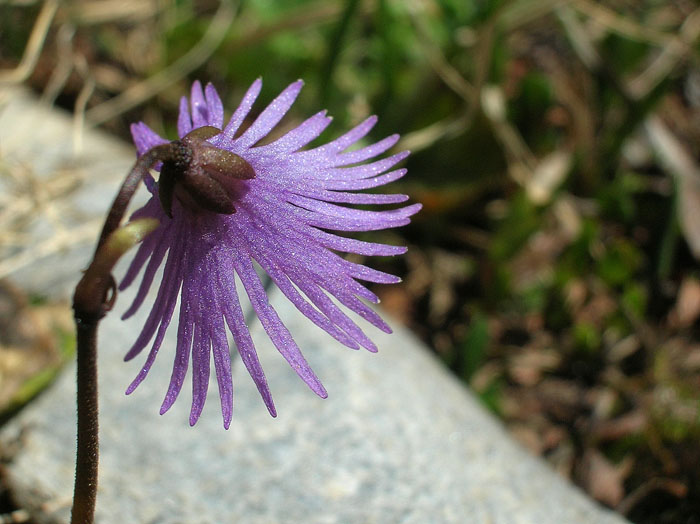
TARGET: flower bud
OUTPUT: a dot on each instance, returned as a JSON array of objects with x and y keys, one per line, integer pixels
[{"x": 202, "y": 176}]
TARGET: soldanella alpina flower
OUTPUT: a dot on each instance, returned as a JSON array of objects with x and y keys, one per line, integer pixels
[{"x": 226, "y": 204}]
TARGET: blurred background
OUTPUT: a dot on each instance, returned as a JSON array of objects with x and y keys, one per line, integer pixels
[{"x": 555, "y": 148}]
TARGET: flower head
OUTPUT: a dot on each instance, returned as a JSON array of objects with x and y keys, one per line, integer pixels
[{"x": 237, "y": 203}]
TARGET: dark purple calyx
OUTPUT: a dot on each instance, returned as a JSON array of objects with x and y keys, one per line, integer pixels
[{"x": 201, "y": 175}]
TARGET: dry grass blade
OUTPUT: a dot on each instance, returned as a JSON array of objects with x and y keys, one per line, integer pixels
[
  {"x": 221, "y": 22},
  {"x": 34, "y": 46},
  {"x": 579, "y": 40},
  {"x": 548, "y": 175},
  {"x": 680, "y": 164},
  {"x": 64, "y": 67},
  {"x": 518, "y": 14},
  {"x": 27, "y": 198},
  {"x": 621, "y": 24},
  {"x": 451, "y": 127},
  {"x": 523, "y": 162},
  {"x": 673, "y": 52},
  {"x": 443, "y": 129},
  {"x": 307, "y": 16},
  {"x": 19, "y": 3},
  {"x": 18, "y": 516},
  {"x": 81, "y": 103},
  {"x": 447, "y": 73},
  {"x": 102, "y": 11}
]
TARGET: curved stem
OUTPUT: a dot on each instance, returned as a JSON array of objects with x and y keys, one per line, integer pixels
[
  {"x": 129, "y": 186},
  {"x": 93, "y": 298}
]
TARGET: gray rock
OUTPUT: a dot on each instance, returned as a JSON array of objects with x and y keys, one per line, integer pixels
[
  {"x": 399, "y": 440},
  {"x": 55, "y": 187}
]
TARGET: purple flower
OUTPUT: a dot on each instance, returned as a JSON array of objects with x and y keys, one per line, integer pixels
[{"x": 281, "y": 222}]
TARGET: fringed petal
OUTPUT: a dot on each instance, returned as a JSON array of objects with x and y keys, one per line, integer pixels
[
  {"x": 274, "y": 327},
  {"x": 215, "y": 107},
  {"x": 280, "y": 278},
  {"x": 184, "y": 122},
  {"x": 270, "y": 117},
  {"x": 200, "y": 369},
  {"x": 365, "y": 183},
  {"x": 145, "y": 138},
  {"x": 241, "y": 336},
  {"x": 341, "y": 143},
  {"x": 166, "y": 293},
  {"x": 185, "y": 333},
  {"x": 365, "y": 153},
  {"x": 198, "y": 104},
  {"x": 239, "y": 115}
]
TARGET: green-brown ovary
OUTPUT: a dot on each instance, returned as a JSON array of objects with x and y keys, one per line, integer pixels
[{"x": 202, "y": 176}]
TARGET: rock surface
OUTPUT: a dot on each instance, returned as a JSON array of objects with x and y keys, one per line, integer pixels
[
  {"x": 55, "y": 186},
  {"x": 398, "y": 439}
]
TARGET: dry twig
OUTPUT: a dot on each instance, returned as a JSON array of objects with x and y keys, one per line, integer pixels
[{"x": 34, "y": 46}]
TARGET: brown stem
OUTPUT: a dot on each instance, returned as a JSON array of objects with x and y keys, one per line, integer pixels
[
  {"x": 129, "y": 186},
  {"x": 85, "y": 493},
  {"x": 93, "y": 298}
]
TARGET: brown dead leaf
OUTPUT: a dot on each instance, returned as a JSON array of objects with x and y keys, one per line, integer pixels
[
  {"x": 561, "y": 399},
  {"x": 535, "y": 262},
  {"x": 397, "y": 301},
  {"x": 623, "y": 348},
  {"x": 691, "y": 362},
  {"x": 620, "y": 427},
  {"x": 527, "y": 367},
  {"x": 521, "y": 404},
  {"x": 419, "y": 276},
  {"x": 678, "y": 161},
  {"x": 602, "y": 400},
  {"x": 485, "y": 376},
  {"x": 597, "y": 309},
  {"x": 554, "y": 436},
  {"x": 670, "y": 486},
  {"x": 562, "y": 459},
  {"x": 28, "y": 341},
  {"x": 447, "y": 271},
  {"x": 689, "y": 212},
  {"x": 603, "y": 480},
  {"x": 547, "y": 176},
  {"x": 527, "y": 437},
  {"x": 687, "y": 308}
]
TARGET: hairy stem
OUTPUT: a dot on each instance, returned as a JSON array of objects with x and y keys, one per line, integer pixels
[{"x": 85, "y": 493}]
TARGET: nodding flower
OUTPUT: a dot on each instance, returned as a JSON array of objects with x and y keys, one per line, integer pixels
[{"x": 225, "y": 204}]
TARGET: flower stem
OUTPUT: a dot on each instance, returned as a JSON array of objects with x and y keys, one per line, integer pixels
[
  {"x": 85, "y": 494},
  {"x": 129, "y": 186},
  {"x": 93, "y": 298}
]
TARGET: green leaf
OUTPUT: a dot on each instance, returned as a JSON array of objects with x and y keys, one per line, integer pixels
[
  {"x": 473, "y": 347},
  {"x": 521, "y": 221}
]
